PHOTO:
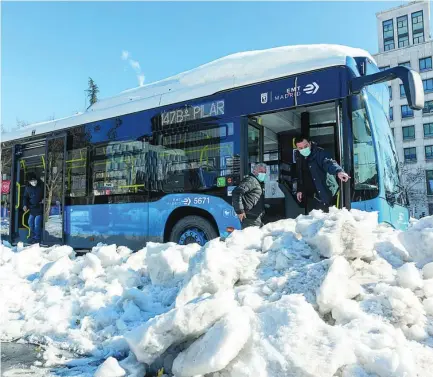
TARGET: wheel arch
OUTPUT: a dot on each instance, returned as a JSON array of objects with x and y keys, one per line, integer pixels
[{"x": 182, "y": 212}]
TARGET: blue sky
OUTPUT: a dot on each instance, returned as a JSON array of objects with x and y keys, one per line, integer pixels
[{"x": 50, "y": 49}]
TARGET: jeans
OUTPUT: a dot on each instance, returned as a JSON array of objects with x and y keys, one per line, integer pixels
[{"x": 35, "y": 224}]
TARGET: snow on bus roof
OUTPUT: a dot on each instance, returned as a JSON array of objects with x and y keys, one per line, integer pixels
[{"x": 226, "y": 73}]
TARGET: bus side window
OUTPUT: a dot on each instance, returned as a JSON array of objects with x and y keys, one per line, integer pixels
[
  {"x": 119, "y": 168},
  {"x": 192, "y": 158},
  {"x": 76, "y": 172}
]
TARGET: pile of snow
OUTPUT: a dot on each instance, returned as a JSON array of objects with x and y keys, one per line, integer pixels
[{"x": 324, "y": 295}]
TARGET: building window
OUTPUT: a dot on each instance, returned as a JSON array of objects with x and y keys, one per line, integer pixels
[
  {"x": 428, "y": 130},
  {"x": 393, "y": 133},
  {"x": 409, "y": 133},
  {"x": 417, "y": 21},
  {"x": 402, "y": 92},
  {"x": 403, "y": 41},
  {"x": 389, "y": 45},
  {"x": 402, "y": 28},
  {"x": 428, "y": 152},
  {"x": 405, "y": 64},
  {"x": 391, "y": 113},
  {"x": 410, "y": 154},
  {"x": 388, "y": 35},
  {"x": 428, "y": 107},
  {"x": 418, "y": 27},
  {"x": 406, "y": 111},
  {"x": 418, "y": 38},
  {"x": 429, "y": 179},
  {"x": 384, "y": 68},
  {"x": 425, "y": 64},
  {"x": 390, "y": 92},
  {"x": 427, "y": 85}
]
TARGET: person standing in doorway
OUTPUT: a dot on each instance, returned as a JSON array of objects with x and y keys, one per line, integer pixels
[
  {"x": 317, "y": 185},
  {"x": 248, "y": 197},
  {"x": 33, "y": 197}
]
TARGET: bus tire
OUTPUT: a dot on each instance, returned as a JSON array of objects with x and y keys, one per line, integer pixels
[{"x": 193, "y": 229}]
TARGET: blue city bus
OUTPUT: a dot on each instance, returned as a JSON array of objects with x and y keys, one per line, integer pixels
[{"x": 159, "y": 163}]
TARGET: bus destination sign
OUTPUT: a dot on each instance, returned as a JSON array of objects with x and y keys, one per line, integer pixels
[{"x": 191, "y": 113}]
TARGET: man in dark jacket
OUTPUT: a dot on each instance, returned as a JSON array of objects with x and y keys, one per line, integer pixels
[
  {"x": 317, "y": 185},
  {"x": 33, "y": 197},
  {"x": 248, "y": 197}
]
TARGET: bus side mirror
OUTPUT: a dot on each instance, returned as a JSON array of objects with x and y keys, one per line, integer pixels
[{"x": 411, "y": 81}]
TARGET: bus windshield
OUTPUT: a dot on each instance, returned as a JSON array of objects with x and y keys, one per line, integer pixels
[
  {"x": 364, "y": 157},
  {"x": 386, "y": 151}
]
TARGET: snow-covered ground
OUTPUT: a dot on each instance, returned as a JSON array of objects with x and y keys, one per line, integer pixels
[{"x": 323, "y": 295}]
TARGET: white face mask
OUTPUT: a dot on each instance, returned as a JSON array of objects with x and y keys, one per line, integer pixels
[{"x": 33, "y": 183}]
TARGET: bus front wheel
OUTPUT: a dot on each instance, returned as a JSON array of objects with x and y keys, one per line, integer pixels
[{"x": 193, "y": 229}]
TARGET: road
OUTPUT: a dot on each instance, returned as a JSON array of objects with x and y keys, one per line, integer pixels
[{"x": 17, "y": 360}]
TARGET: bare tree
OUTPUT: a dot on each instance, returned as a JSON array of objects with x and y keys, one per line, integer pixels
[
  {"x": 53, "y": 180},
  {"x": 414, "y": 187},
  {"x": 21, "y": 123}
]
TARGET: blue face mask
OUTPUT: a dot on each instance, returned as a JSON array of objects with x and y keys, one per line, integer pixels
[
  {"x": 261, "y": 177},
  {"x": 305, "y": 152}
]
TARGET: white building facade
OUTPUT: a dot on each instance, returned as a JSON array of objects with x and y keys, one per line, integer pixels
[{"x": 404, "y": 39}]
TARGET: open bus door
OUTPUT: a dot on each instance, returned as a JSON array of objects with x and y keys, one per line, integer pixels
[
  {"x": 27, "y": 158},
  {"x": 44, "y": 158}
]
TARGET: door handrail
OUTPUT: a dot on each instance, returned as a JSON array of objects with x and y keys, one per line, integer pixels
[
  {"x": 24, "y": 225},
  {"x": 19, "y": 196}
]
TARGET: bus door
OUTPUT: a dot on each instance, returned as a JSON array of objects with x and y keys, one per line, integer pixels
[
  {"x": 27, "y": 158},
  {"x": 54, "y": 194},
  {"x": 254, "y": 145},
  {"x": 326, "y": 136}
]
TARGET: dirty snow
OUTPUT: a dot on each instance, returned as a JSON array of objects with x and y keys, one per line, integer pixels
[{"x": 333, "y": 295}]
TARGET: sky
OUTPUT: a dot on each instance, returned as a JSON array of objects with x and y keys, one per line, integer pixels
[{"x": 50, "y": 49}]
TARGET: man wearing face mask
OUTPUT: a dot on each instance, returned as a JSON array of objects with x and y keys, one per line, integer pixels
[
  {"x": 248, "y": 197},
  {"x": 33, "y": 196},
  {"x": 316, "y": 171}
]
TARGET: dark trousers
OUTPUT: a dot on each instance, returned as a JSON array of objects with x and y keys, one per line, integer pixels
[
  {"x": 314, "y": 203},
  {"x": 251, "y": 222}
]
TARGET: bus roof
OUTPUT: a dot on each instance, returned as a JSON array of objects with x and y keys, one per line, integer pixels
[{"x": 226, "y": 73}]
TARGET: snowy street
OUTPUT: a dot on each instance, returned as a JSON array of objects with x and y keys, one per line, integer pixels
[{"x": 323, "y": 295}]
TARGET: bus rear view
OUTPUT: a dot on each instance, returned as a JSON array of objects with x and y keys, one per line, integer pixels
[{"x": 160, "y": 162}]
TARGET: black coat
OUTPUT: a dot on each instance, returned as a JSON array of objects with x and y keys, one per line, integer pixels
[
  {"x": 33, "y": 197},
  {"x": 323, "y": 171},
  {"x": 248, "y": 197}
]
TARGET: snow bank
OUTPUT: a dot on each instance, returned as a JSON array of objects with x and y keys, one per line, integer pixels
[
  {"x": 178, "y": 325},
  {"x": 218, "y": 347},
  {"x": 324, "y": 295},
  {"x": 418, "y": 240}
]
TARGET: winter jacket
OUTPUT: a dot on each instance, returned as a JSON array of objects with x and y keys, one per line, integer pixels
[
  {"x": 33, "y": 199},
  {"x": 323, "y": 171},
  {"x": 248, "y": 197}
]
